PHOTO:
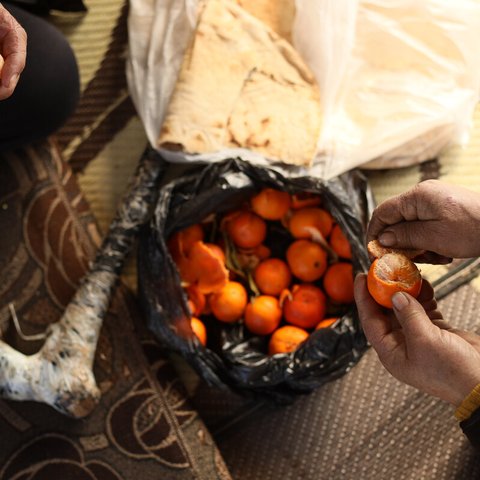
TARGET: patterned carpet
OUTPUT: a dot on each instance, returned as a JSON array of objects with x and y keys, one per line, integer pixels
[
  {"x": 363, "y": 426},
  {"x": 144, "y": 424}
]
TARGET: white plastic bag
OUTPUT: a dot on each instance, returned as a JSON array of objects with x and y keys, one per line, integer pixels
[
  {"x": 399, "y": 79},
  {"x": 399, "y": 84}
]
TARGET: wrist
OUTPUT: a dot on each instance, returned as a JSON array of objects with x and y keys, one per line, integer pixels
[{"x": 469, "y": 404}]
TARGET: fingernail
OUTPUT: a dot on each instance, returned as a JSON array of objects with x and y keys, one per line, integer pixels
[
  {"x": 400, "y": 301},
  {"x": 387, "y": 239}
]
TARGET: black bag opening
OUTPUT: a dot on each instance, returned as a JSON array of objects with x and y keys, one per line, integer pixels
[{"x": 234, "y": 358}]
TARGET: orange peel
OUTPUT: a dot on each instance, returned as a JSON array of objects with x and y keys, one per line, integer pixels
[
  {"x": 182, "y": 241},
  {"x": 206, "y": 268},
  {"x": 377, "y": 250},
  {"x": 196, "y": 300}
]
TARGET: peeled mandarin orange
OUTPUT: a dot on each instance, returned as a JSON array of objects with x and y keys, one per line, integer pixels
[
  {"x": 246, "y": 229},
  {"x": 304, "y": 223},
  {"x": 271, "y": 204},
  {"x": 305, "y": 307},
  {"x": 199, "y": 330},
  {"x": 286, "y": 339},
  {"x": 228, "y": 304},
  {"x": 392, "y": 273},
  {"x": 307, "y": 260},
  {"x": 338, "y": 282},
  {"x": 339, "y": 243},
  {"x": 263, "y": 315},
  {"x": 272, "y": 276}
]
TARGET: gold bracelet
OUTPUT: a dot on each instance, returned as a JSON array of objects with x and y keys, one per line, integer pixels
[{"x": 469, "y": 405}]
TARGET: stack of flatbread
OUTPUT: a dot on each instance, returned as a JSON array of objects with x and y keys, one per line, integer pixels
[{"x": 242, "y": 84}]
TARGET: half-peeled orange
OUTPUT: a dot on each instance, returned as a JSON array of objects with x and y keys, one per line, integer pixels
[{"x": 391, "y": 273}]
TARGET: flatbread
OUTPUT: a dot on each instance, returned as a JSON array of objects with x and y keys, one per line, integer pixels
[
  {"x": 278, "y": 15},
  {"x": 241, "y": 85}
]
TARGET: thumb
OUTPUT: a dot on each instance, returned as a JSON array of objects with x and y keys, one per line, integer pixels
[
  {"x": 411, "y": 316},
  {"x": 412, "y": 235}
]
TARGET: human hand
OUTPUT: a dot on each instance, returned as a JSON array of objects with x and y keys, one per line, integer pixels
[
  {"x": 417, "y": 346},
  {"x": 13, "y": 49},
  {"x": 433, "y": 216}
]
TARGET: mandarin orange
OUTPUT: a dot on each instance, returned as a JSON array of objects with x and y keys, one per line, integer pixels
[
  {"x": 305, "y": 199},
  {"x": 392, "y": 273},
  {"x": 228, "y": 304},
  {"x": 199, "y": 330},
  {"x": 272, "y": 276},
  {"x": 286, "y": 339},
  {"x": 327, "y": 322},
  {"x": 271, "y": 204},
  {"x": 306, "y": 222},
  {"x": 246, "y": 229},
  {"x": 307, "y": 260},
  {"x": 340, "y": 243},
  {"x": 263, "y": 315},
  {"x": 305, "y": 307},
  {"x": 338, "y": 282}
]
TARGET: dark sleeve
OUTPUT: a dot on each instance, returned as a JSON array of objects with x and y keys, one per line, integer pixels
[{"x": 471, "y": 428}]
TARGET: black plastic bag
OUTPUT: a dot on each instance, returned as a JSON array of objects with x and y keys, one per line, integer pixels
[{"x": 237, "y": 359}]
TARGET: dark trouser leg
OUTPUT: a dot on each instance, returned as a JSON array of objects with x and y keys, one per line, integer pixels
[{"x": 48, "y": 89}]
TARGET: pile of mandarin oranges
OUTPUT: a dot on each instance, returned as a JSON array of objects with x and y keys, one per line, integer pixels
[{"x": 280, "y": 263}]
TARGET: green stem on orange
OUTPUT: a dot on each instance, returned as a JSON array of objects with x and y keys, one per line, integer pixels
[{"x": 231, "y": 256}]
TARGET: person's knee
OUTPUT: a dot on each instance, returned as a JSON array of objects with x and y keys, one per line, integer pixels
[
  {"x": 58, "y": 87},
  {"x": 48, "y": 90}
]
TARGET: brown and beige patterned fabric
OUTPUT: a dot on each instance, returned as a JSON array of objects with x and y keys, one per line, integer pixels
[{"x": 144, "y": 426}]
